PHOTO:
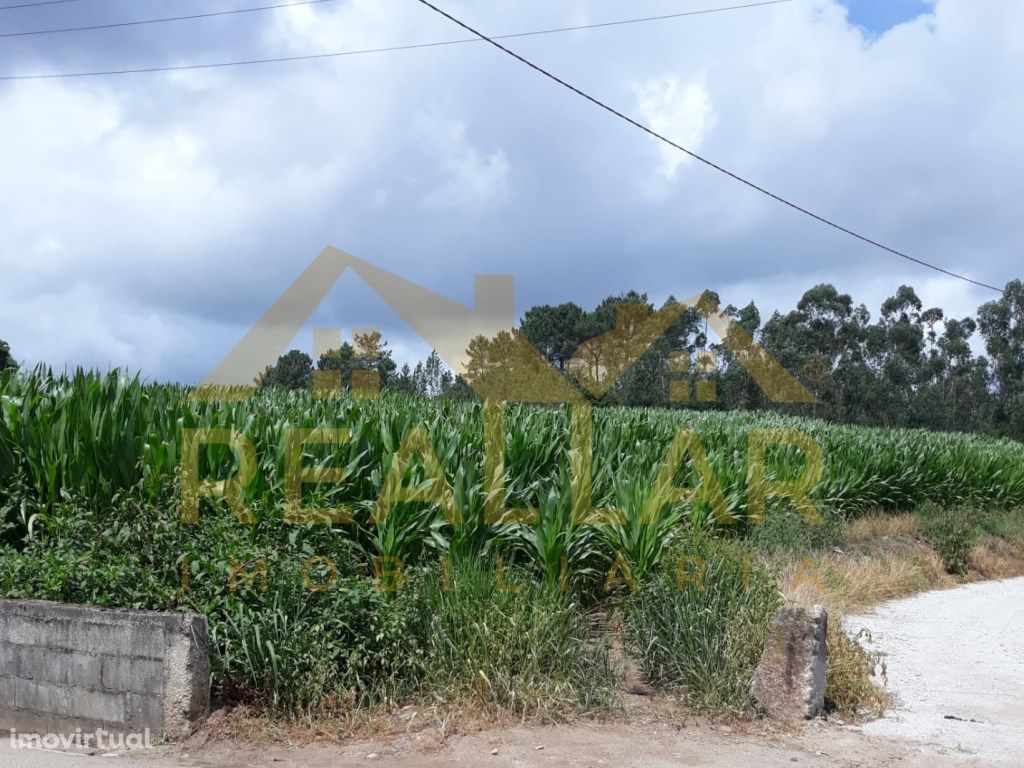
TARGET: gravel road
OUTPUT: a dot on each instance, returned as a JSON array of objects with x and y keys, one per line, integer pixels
[{"x": 956, "y": 667}]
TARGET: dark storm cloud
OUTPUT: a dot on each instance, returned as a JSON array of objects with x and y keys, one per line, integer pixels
[{"x": 174, "y": 208}]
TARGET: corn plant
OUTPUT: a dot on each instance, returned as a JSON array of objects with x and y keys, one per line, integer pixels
[{"x": 89, "y": 436}]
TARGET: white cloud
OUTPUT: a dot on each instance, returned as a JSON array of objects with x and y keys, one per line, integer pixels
[
  {"x": 470, "y": 177},
  {"x": 149, "y": 219},
  {"x": 680, "y": 113}
]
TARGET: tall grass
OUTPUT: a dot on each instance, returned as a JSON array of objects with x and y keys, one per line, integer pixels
[
  {"x": 502, "y": 641},
  {"x": 90, "y": 511},
  {"x": 700, "y": 625}
]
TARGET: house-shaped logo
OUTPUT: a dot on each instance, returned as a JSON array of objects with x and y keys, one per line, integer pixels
[{"x": 481, "y": 344}]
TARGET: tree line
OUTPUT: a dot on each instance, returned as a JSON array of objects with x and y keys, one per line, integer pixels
[
  {"x": 908, "y": 366},
  {"x": 368, "y": 353},
  {"x": 7, "y": 361}
]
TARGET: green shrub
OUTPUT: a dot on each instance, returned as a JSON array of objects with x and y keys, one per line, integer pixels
[
  {"x": 700, "y": 624},
  {"x": 296, "y": 651},
  {"x": 784, "y": 531},
  {"x": 1008, "y": 525},
  {"x": 506, "y": 643},
  {"x": 275, "y": 643},
  {"x": 954, "y": 533},
  {"x": 122, "y": 558}
]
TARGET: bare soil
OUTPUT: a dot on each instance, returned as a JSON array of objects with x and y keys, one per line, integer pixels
[{"x": 585, "y": 745}]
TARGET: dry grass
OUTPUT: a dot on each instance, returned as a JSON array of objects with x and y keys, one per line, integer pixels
[
  {"x": 856, "y": 677},
  {"x": 866, "y": 579},
  {"x": 430, "y": 726},
  {"x": 847, "y": 584},
  {"x": 883, "y": 558},
  {"x": 996, "y": 558},
  {"x": 886, "y": 557},
  {"x": 256, "y": 726},
  {"x": 875, "y": 528}
]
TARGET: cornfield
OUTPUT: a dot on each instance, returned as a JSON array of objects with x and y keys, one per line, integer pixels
[{"x": 90, "y": 436}]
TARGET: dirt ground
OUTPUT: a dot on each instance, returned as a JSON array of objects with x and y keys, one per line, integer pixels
[
  {"x": 648, "y": 733},
  {"x": 579, "y": 746}
]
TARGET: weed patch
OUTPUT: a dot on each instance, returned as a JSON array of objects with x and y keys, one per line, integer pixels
[
  {"x": 699, "y": 627},
  {"x": 954, "y": 534},
  {"x": 855, "y": 684},
  {"x": 506, "y": 645},
  {"x": 785, "y": 532}
]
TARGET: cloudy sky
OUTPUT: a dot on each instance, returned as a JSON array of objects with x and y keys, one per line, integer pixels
[{"x": 148, "y": 220}]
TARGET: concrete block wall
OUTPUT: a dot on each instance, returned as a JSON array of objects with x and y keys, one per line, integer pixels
[{"x": 64, "y": 667}]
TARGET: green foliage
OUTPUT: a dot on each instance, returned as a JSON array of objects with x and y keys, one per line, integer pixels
[
  {"x": 91, "y": 436},
  {"x": 499, "y": 640},
  {"x": 785, "y": 531},
  {"x": 293, "y": 370},
  {"x": 1002, "y": 326},
  {"x": 298, "y": 624},
  {"x": 123, "y": 556},
  {"x": 294, "y": 650},
  {"x": 369, "y": 353},
  {"x": 275, "y": 643},
  {"x": 954, "y": 533},
  {"x": 700, "y": 625},
  {"x": 1008, "y": 525},
  {"x": 641, "y": 537},
  {"x": 90, "y": 512},
  {"x": 7, "y": 362},
  {"x": 560, "y": 547}
]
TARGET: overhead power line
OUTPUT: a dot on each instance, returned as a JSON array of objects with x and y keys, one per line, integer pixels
[
  {"x": 388, "y": 49},
  {"x": 637, "y": 124},
  {"x": 190, "y": 17},
  {"x": 162, "y": 20},
  {"x": 33, "y": 5}
]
